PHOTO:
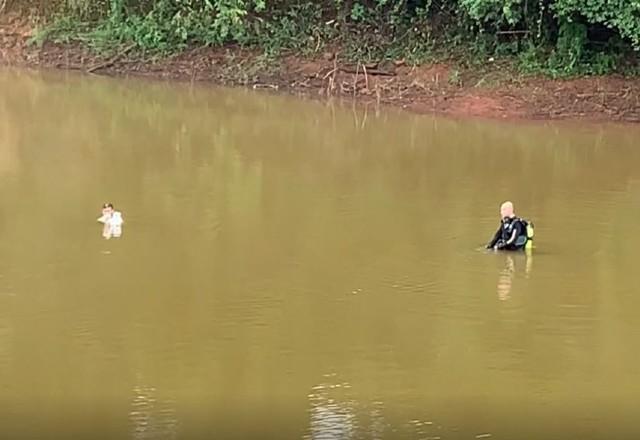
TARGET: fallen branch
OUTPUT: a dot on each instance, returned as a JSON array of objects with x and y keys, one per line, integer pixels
[
  {"x": 512, "y": 32},
  {"x": 332, "y": 77},
  {"x": 355, "y": 81},
  {"x": 297, "y": 84},
  {"x": 366, "y": 77},
  {"x": 370, "y": 71},
  {"x": 329, "y": 73},
  {"x": 110, "y": 62},
  {"x": 600, "y": 94},
  {"x": 69, "y": 66},
  {"x": 265, "y": 86}
]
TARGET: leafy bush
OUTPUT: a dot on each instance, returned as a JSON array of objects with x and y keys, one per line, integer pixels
[{"x": 543, "y": 35}]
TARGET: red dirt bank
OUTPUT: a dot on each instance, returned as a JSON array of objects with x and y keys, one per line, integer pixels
[{"x": 426, "y": 89}]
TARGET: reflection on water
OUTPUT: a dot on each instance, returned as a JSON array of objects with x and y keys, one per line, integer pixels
[
  {"x": 332, "y": 417},
  {"x": 270, "y": 240},
  {"x": 150, "y": 417},
  {"x": 335, "y": 414},
  {"x": 506, "y": 279},
  {"x": 508, "y": 273}
]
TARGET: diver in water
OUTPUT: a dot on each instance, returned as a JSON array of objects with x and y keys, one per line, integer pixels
[
  {"x": 514, "y": 233},
  {"x": 112, "y": 221}
]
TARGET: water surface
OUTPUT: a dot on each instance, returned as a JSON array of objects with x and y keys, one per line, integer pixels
[{"x": 294, "y": 269}]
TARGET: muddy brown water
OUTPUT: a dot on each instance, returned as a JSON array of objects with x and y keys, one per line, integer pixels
[{"x": 293, "y": 269}]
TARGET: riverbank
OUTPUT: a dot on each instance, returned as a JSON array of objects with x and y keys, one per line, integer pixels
[{"x": 492, "y": 91}]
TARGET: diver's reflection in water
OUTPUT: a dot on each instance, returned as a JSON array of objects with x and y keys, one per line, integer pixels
[
  {"x": 505, "y": 279},
  {"x": 151, "y": 418}
]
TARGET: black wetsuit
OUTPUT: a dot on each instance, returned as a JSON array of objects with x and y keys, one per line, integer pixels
[{"x": 510, "y": 236}]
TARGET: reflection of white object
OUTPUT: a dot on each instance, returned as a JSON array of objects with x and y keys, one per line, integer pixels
[
  {"x": 112, "y": 224},
  {"x": 115, "y": 224}
]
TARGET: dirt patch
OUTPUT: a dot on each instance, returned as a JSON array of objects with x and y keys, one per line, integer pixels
[
  {"x": 435, "y": 88},
  {"x": 482, "y": 106},
  {"x": 434, "y": 73}
]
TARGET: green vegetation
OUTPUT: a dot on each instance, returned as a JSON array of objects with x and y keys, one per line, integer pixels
[{"x": 557, "y": 37}]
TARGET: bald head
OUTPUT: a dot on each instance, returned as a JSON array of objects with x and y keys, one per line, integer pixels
[{"x": 506, "y": 210}]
